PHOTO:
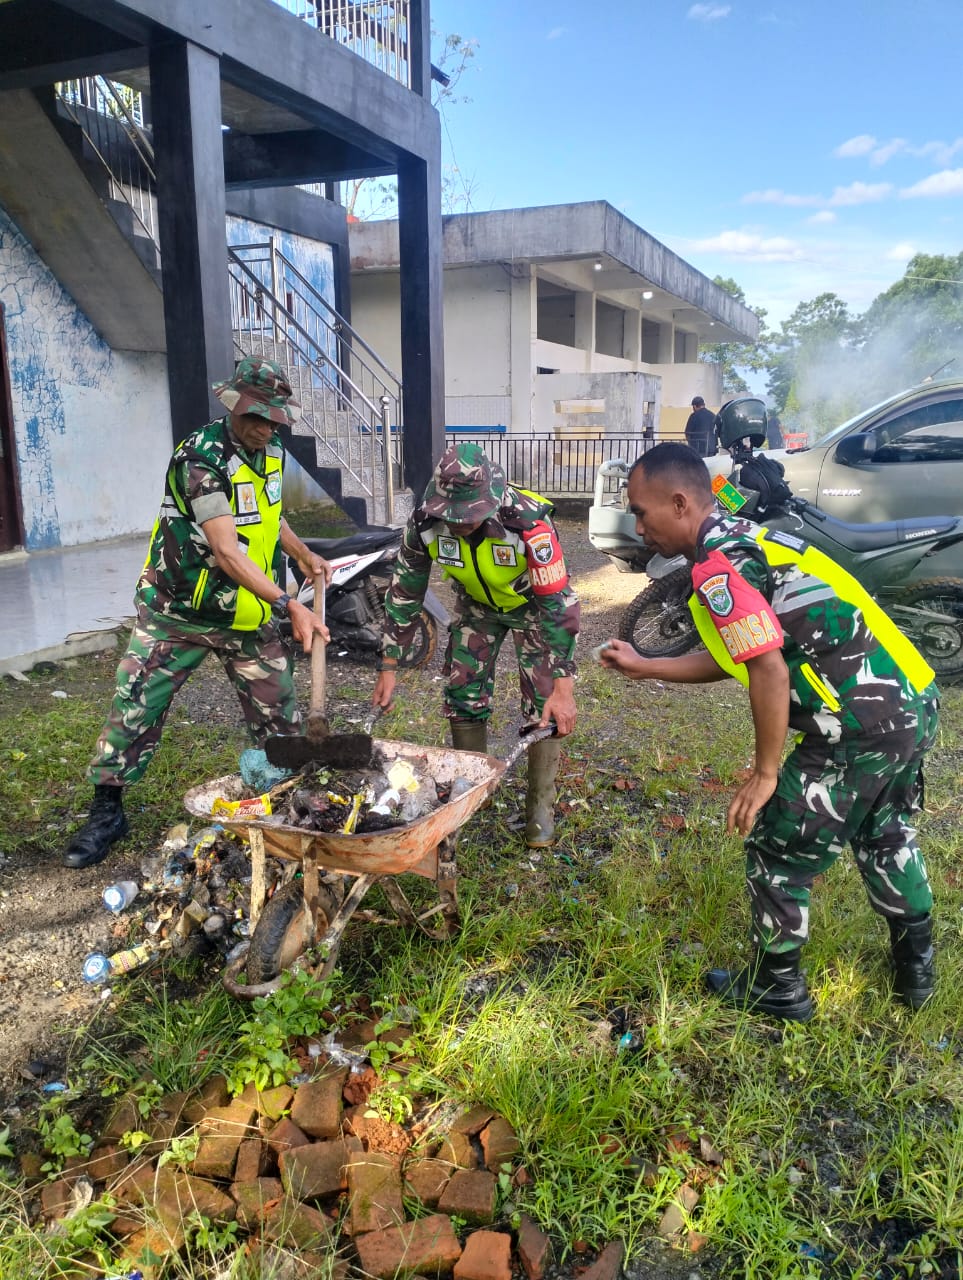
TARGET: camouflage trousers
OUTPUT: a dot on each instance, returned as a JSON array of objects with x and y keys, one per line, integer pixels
[
  {"x": 863, "y": 790},
  {"x": 474, "y": 642},
  {"x": 159, "y": 659}
]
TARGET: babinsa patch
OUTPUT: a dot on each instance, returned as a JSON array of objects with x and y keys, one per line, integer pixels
[{"x": 715, "y": 591}]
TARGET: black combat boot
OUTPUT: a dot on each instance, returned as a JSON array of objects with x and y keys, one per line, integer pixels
[
  {"x": 105, "y": 824},
  {"x": 914, "y": 976},
  {"x": 773, "y": 985}
]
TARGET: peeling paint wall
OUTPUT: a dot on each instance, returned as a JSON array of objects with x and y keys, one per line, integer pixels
[
  {"x": 92, "y": 425},
  {"x": 313, "y": 258}
]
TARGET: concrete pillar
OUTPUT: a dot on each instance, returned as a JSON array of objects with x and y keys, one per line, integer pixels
[
  {"x": 521, "y": 354},
  {"x": 691, "y": 348},
  {"x": 186, "y": 98},
  {"x": 585, "y": 326},
  {"x": 632, "y": 339},
  {"x": 666, "y": 344},
  {"x": 422, "y": 336}
]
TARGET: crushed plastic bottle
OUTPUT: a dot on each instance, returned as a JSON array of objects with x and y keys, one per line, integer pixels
[
  {"x": 98, "y": 967},
  {"x": 459, "y": 787},
  {"x": 118, "y": 897}
]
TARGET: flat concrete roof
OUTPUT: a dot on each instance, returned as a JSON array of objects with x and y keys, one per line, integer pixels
[{"x": 588, "y": 245}]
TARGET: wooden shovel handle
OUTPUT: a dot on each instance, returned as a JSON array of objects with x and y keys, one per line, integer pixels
[{"x": 319, "y": 651}]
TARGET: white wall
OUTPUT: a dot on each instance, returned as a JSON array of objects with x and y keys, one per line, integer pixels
[{"x": 92, "y": 425}]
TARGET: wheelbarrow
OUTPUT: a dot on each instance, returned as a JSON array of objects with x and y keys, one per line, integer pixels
[{"x": 310, "y": 915}]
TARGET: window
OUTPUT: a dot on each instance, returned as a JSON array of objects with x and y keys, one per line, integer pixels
[{"x": 930, "y": 433}]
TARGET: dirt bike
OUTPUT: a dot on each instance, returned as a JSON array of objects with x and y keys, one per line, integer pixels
[
  {"x": 362, "y": 565},
  {"x": 889, "y": 559}
]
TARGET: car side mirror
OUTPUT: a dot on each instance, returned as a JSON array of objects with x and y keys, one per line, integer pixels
[{"x": 857, "y": 448}]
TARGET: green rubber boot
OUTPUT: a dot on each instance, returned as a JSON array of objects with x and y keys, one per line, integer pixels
[
  {"x": 469, "y": 735},
  {"x": 540, "y": 799}
]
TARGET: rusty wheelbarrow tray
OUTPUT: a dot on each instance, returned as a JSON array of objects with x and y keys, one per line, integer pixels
[{"x": 425, "y": 848}]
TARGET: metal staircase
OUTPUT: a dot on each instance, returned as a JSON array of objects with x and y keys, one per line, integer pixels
[
  {"x": 351, "y": 400},
  {"x": 350, "y": 435}
]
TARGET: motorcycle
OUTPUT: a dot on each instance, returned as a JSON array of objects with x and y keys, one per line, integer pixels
[
  {"x": 354, "y": 603},
  {"x": 888, "y": 559}
]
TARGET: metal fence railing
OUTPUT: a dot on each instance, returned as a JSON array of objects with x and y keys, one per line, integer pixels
[
  {"x": 559, "y": 466},
  {"x": 376, "y": 30}
]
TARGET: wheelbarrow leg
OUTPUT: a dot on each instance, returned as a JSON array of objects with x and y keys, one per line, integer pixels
[
  {"x": 336, "y": 927},
  {"x": 258, "y": 873},
  {"x": 447, "y": 906}
]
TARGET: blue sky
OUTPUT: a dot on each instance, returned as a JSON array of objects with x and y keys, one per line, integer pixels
[{"x": 797, "y": 146}]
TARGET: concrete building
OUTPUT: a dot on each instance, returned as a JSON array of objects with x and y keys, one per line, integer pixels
[
  {"x": 152, "y": 230},
  {"x": 567, "y": 319}
]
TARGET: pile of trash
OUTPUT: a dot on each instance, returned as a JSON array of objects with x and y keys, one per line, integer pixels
[
  {"x": 389, "y": 793},
  {"x": 193, "y": 896}
]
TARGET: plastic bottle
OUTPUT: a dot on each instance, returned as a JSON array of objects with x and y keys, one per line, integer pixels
[
  {"x": 118, "y": 897},
  {"x": 98, "y": 967}
]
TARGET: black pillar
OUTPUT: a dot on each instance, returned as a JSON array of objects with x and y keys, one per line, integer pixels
[
  {"x": 419, "y": 47},
  {"x": 422, "y": 336},
  {"x": 186, "y": 106}
]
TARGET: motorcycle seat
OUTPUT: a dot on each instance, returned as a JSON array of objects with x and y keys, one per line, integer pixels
[
  {"x": 354, "y": 544},
  {"x": 870, "y": 537}
]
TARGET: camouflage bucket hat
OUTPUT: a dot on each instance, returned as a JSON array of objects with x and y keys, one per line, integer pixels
[
  {"x": 467, "y": 486},
  {"x": 259, "y": 386}
]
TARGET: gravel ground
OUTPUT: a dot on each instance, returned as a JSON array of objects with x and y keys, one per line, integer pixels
[{"x": 50, "y": 917}]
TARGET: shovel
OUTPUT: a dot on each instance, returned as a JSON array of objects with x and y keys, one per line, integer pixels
[{"x": 318, "y": 745}]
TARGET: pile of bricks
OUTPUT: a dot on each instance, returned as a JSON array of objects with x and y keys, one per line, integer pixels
[{"x": 308, "y": 1172}]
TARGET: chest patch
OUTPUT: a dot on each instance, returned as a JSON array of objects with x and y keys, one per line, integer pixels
[
  {"x": 449, "y": 552},
  {"x": 245, "y": 499},
  {"x": 274, "y": 488},
  {"x": 715, "y": 591},
  {"x": 504, "y": 556}
]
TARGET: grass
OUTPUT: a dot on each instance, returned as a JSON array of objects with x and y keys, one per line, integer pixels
[{"x": 840, "y": 1142}]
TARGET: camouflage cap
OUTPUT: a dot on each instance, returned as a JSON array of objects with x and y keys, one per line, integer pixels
[
  {"x": 466, "y": 488},
  {"x": 259, "y": 386}
]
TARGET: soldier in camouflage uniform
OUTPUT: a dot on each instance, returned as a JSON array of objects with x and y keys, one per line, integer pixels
[
  {"x": 210, "y": 585},
  {"x": 499, "y": 546},
  {"x": 820, "y": 657}
]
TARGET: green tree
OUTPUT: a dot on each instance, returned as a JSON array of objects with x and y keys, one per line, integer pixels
[
  {"x": 916, "y": 324},
  {"x": 736, "y": 358}
]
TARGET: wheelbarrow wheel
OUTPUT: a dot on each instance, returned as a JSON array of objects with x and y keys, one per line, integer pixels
[{"x": 285, "y": 931}]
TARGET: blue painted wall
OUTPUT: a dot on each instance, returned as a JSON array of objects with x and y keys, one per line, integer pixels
[{"x": 91, "y": 424}]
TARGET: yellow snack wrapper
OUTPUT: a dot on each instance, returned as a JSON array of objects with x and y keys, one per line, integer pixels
[{"x": 255, "y": 807}]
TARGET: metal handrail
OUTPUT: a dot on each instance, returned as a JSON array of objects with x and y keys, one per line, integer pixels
[
  {"x": 376, "y": 30},
  {"x": 131, "y": 171},
  {"x": 365, "y": 445}
]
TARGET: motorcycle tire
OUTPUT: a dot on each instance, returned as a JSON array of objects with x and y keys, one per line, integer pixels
[
  {"x": 940, "y": 643},
  {"x": 658, "y": 624},
  {"x": 284, "y": 931}
]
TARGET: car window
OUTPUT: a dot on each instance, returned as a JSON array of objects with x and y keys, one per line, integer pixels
[{"x": 927, "y": 433}]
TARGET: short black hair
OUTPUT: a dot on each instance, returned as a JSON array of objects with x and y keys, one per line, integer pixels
[
  {"x": 698, "y": 402},
  {"x": 677, "y": 461}
]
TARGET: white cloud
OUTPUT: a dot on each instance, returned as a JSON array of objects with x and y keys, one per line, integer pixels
[
  {"x": 948, "y": 182},
  {"x": 556, "y": 32},
  {"x": 822, "y": 218},
  {"x": 940, "y": 153},
  {"x": 886, "y": 152},
  {"x": 709, "y": 12},
  {"x": 861, "y": 145},
  {"x": 861, "y": 193},
  {"x": 901, "y": 252},
  {"x": 773, "y": 195},
  {"x": 750, "y": 247}
]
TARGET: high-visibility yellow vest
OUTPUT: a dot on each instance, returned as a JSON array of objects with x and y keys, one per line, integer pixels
[
  {"x": 811, "y": 560},
  {"x": 486, "y": 571}
]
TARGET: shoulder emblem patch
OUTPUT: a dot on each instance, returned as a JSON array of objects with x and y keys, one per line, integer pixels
[{"x": 715, "y": 591}]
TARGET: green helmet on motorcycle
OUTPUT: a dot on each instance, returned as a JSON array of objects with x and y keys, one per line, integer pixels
[{"x": 744, "y": 418}]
